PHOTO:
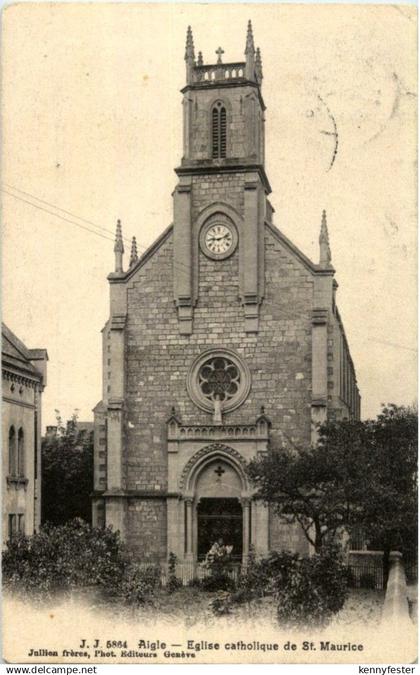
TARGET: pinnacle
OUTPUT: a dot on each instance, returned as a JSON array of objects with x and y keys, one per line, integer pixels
[
  {"x": 189, "y": 47},
  {"x": 119, "y": 244},
  {"x": 258, "y": 65},
  {"x": 249, "y": 49},
  {"x": 324, "y": 242},
  {"x": 133, "y": 256},
  {"x": 324, "y": 228}
]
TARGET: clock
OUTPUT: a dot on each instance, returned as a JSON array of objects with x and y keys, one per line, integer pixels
[{"x": 218, "y": 239}]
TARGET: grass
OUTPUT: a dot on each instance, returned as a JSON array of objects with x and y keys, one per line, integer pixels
[{"x": 191, "y": 607}]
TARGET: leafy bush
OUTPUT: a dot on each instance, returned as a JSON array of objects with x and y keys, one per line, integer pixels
[
  {"x": 217, "y": 582},
  {"x": 74, "y": 555},
  {"x": 310, "y": 590},
  {"x": 249, "y": 583},
  {"x": 136, "y": 586},
  {"x": 62, "y": 557},
  {"x": 173, "y": 583},
  {"x": 258, "y": 579},
  {"x": 218, "y": 562},
  {"x": 221, "y": 604}
]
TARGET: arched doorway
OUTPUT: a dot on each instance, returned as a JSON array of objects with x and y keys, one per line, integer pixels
[
  {"x": 217, "y": 502},
  {"x": 219, "y": 519},
  {"x": 218, "y": 513}
]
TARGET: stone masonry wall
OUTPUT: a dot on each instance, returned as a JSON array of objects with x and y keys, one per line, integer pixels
[
  {"x": 241, "y": 126},
  {"x": 146, "y": 525},
  {"x": 218, "y": 187},
  {"x": 158, "y": 360}
]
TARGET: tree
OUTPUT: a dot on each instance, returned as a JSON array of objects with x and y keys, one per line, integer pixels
[
  {"x": 389, "y": 505},
  {"x": 67, "y": 473},
  {"x": 360, "y": 474}
]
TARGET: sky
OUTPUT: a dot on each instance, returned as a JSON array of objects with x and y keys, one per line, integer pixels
[{"x": 92, "y": 125}]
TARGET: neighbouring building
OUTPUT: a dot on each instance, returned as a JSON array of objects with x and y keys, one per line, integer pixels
[
  {"x": 83, "y": 430},
  {"x": 223, "y": 338},
  {"x": 24, "y": 376}
]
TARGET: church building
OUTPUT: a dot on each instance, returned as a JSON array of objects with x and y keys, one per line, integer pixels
[{"x": 223, "y": 340}]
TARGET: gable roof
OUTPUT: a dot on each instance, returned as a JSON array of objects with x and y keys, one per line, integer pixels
[
  {"x": 116, "y": 277},
  {"x": 294, "y": 250},
  {"x": 16, "y": 355}
]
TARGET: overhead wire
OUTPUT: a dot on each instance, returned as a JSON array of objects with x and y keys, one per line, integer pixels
[
  {"x": 181, "y": 266},
  {"x": 56, "y": 215},
  {"x": 59, "y": 208}
]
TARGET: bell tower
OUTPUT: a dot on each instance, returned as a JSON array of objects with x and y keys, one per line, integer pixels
[{"x": 220, "y": 200}]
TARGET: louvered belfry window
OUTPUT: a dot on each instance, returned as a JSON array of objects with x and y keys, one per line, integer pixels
[{"x": 218, "y": 121}]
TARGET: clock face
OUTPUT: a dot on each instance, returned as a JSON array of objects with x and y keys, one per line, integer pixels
[{"x": 218, "y": 240}]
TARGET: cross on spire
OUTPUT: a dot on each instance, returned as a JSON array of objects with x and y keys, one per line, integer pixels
[{"x": 219, "y": 53}]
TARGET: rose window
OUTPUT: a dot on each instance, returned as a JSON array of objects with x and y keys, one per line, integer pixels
[{"x": 219, "y": 379}]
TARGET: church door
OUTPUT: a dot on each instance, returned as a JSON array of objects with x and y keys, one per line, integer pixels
[{"x": 219, "y": 518}]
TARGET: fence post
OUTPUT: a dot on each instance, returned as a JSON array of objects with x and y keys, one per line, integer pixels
[{"x": 396, "y": 606}]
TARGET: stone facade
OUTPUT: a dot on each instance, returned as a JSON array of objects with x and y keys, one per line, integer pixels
[
  {"x": 163, "y": 451},
  {"x": 23, "y": 381}
]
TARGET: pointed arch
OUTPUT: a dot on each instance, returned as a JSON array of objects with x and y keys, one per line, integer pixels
[
  {"x": 21, "y": 452},
  {"x": 12, "y": 452},
  {"x": 206, "y": 455},
  {"x": 218, "y": 130},
  {"x": 220, "y": 207}
]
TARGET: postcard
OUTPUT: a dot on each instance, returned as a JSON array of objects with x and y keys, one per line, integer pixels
[{"x": 209, "y": 337}]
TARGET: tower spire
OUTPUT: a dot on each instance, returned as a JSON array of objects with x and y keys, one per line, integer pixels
[
  {"x": 118, "y": 248},
  {"x": 133, "y": 255},
  {"x": 324, "y": 242},
  {"x": 250, "y": 53},
  {"x": 189, "y": 55}
]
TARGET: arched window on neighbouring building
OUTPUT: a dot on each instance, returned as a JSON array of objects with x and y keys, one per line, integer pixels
[
  {"x": 218, "y": 121},
  {"x": 16, "y": 524},
  {"x": 12, "y": 452},
  {"x": 21, "y": 453}
]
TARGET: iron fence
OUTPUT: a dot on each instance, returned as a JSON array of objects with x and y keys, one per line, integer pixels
[
  {"x": 411, "y": 570},
  {"x": 366, "y": 570},
  {"x": 189, "y": 571},
  {"x": 366, "y": 574}
]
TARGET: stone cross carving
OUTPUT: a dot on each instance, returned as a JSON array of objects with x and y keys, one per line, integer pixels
[
  {"x": 219, "y": 472},
  {"x": 219, "y": 53}
]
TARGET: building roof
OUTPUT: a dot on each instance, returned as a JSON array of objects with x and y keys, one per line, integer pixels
[
  {"x": 17, "y": 356},
  {"x": 84, "y": 426}
]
